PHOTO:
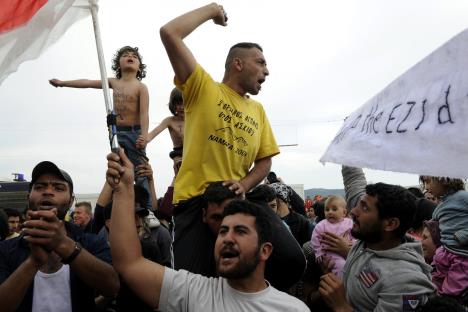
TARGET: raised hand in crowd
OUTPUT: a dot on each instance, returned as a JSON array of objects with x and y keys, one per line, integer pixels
[{"x": 333, "y": 292}]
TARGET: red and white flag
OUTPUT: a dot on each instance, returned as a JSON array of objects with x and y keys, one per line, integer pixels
[{"x": 28, "y": 27}]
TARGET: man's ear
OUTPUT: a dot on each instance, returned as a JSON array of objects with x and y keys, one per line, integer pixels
[
  {"x": 265, "y": 251},
  {"x": 391, "y": 224},
  {"x": 238, "y": 64}
]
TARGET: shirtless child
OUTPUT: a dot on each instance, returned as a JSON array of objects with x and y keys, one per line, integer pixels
[
  {"x": 175, "y": 123},
  {"x": 131, "y": 103}
]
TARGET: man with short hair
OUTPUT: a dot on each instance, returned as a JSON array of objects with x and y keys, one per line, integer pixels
[
  {"x": 226, "y": 132},
  {"x": 82, "y": 215},
  {"x": 53, "y": 265},
  {"x": 14, "y": 219},
  {"x": 242, "y": 248},
  {"x": 216, "y": 197},
  {"x": 383, "y": 271}
]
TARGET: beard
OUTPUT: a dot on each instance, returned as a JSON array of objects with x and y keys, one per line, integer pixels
[
  {"x": 372, "y": 234},
  {"x": 61, "y": 210},
  {"x": 243, "y": 268}
]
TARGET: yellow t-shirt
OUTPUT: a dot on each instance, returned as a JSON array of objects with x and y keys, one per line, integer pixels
[{"x": 224, "y": 134}]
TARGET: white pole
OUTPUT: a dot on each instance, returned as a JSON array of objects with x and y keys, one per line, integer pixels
[{"x": 111, "y": 117}]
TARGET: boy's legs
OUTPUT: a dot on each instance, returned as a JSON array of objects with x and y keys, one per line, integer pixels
[{"x": 127, "y": 140}]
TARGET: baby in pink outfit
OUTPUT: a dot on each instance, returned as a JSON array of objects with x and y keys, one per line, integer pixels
[{"x": 337, "y": 223}]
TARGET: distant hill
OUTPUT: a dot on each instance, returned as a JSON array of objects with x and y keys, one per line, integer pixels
[{"x": 324, "y": 192}]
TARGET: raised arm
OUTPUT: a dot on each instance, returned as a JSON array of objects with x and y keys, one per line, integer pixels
[
  {"x": 172, "y": 35},
  {"x": 80, "y": 83},
  {"x": 143, "y": 276},
  {"x": 159, "y": 128},
  {"x": 355, "y": 183}
]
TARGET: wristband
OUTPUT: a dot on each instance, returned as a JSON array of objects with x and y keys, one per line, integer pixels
[{"x": 73, "y": 255}]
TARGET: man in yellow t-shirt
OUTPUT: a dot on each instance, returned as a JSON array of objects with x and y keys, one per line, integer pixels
[{"x": 226, "y": 132}]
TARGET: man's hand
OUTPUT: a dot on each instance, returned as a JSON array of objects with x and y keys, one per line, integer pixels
[
  {"x": 332, "y": 290},
  {"x": 326, "y": 264},
  {"x": 119, "y": 170},
  {"x": 45, "y": 229},
  {"x": 145, "y": 170},
  {"x": 141, "y": 142},
  {"x": 56, "y": 83},
  {"x": 235, "y": 186},
  {"x": 337, "y": 244},
  {"x": 221, "y": 16}
]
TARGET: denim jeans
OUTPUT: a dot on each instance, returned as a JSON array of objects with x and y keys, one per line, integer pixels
[{"x": 127, "y": 141}]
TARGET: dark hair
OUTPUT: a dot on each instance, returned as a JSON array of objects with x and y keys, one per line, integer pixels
[
  {"x": 263, "y": 224},
  {"x": 216, "y": 193},
  {"x": 261, "y": 194},
  {"x": 452, "y": 185},
  {"x": 175, "y": 99},
  {"x": 235, "y": 51},
  {"x": 416, "y": 191},
  {"x": 116, "y": 62},
  {"x": 272, "y": 178},
  {"x": 424, "y": 209},
  {"x": 141, "y": 195},
  {"x": 394, "y": 201},
  {"x": 12, "y": 212},
  {"x": 319, "y": 209},
  {"x": 4, "y": 228}
]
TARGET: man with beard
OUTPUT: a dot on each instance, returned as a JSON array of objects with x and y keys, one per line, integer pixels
[
  {"x": 383, "y": 271},
  {"x": 242, "y": 247},
  {"x": 53, "y": 265}
]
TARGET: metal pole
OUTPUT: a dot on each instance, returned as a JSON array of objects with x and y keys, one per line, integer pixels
[{"x": 111, "y": 116}]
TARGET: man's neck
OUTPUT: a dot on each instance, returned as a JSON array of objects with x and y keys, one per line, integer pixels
[
  {"x": 231, "y": 83},
  {"x": 251, "y": 284},
  {"x": 384, "y": 244}
]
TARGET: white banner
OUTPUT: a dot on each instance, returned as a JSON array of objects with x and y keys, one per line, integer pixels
[
  {"x": 28, "y": 27},
  {"x": 417, "y": 124}
]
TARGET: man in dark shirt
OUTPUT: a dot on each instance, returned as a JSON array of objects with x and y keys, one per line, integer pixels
[{"x": 53, "y": 265}]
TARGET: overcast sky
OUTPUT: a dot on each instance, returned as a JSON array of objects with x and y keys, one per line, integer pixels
[{"x": 326, "y": 59}]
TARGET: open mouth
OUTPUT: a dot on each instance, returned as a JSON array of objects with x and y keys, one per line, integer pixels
[
  {"x": 46, "y": 205},
  {"x": 228, "y": 253}
]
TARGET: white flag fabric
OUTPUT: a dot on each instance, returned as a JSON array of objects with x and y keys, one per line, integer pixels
[
  {"x": 28, "y": 27},
  {"x": 417, "y": 124}
]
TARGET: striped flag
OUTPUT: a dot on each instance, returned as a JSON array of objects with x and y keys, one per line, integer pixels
[
  {"x": 28, "y": 27},
  {"x": 368, "y": 277}
]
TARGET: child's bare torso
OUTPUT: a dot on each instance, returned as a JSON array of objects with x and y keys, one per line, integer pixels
[
  {"x": 176, "y": 130},
  {"x": 126, "y": 98}
]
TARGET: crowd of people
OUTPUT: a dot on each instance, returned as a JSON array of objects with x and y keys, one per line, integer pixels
[{"x": 228, "y": 235}]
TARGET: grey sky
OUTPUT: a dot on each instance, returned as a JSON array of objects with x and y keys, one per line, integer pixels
[{"x": 326, "y": 58}]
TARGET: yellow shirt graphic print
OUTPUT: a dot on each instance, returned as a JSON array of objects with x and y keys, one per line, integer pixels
[{"x": 224, "y": 134}]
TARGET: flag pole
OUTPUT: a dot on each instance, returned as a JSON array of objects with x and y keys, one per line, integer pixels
[{"x": 111, "y": 116}]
